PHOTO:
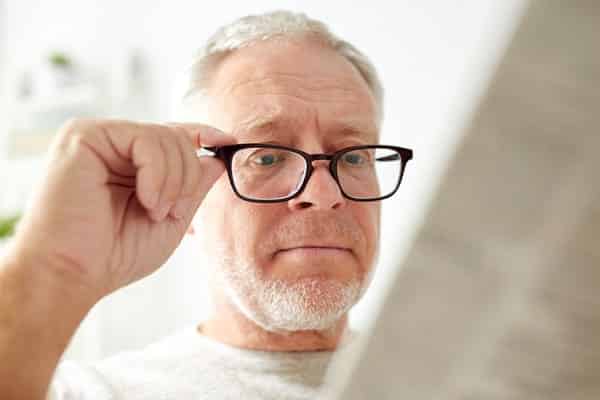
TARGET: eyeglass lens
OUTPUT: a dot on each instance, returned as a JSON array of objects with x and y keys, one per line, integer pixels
[{"x": 272, "y": 173}]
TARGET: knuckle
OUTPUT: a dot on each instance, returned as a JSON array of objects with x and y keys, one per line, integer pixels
[
  {"x": 72, "y": 134},
  {"x": 75, "y": 126},
  {"x": 80, "y": 127}
]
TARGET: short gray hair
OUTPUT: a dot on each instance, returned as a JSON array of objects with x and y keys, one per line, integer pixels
[{"x": 254, "y": 28}]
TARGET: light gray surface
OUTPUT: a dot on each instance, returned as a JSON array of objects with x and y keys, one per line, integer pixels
[{"x": 499, "y": 295}]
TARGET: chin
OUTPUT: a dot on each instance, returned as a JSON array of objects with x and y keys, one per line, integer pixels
[
  {"x": 285, "y": 296},
  {"x": 307, "y": 303}
]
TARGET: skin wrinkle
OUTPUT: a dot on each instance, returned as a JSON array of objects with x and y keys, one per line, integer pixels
[
  {"x": 270, "y": 123},
  {"x": 306, "y": 83},
  {"x": 298, "y": 80},
  {"x": 301, "y": 93},
  {"x": 267, "y": 126}
]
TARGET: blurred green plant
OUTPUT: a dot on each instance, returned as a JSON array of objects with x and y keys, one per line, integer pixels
[
  {"x": 60, "y": 59},
  {"x": 7, "y": 225}
]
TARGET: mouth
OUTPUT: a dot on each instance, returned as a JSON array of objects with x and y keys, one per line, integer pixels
[{"x": 315, "y": 251}]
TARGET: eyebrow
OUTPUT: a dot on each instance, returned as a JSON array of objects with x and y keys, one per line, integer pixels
[
  {"x": 261, "y": 126},
  {"x": 352, "y": 128},
  {"x": 267, "y": 123}
]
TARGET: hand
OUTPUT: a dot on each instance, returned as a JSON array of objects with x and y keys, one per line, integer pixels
[{"x": 117, "y": 199}]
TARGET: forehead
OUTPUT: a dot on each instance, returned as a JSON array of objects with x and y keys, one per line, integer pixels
[{"x": 297, "y": 84}]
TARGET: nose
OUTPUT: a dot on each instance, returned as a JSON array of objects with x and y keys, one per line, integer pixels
[{"x": 321, "y": 191}]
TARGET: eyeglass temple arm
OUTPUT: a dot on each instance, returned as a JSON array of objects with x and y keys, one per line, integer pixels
[
  {"x": 212, "y": 149},
  {"x": 392, "y": 157}
]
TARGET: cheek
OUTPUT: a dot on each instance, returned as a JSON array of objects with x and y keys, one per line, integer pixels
[
  {"x": 230, "y": 223},
  {"x": 253, "y": 225},
  {"x": 368, "y": 216}
]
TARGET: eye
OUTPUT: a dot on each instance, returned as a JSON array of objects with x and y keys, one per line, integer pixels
[
  {"x": 266, "y": 159},
  {"x": 353, "y": 159}
]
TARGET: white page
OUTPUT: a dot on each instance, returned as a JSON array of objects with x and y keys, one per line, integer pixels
[{"x": 498, "y": 297}]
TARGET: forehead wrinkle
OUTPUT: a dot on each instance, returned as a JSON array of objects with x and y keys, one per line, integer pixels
[
  {"x": 268, "y": 121},
  {"x": 255, "y": 121},
  {"x": 308, "y": 88},
  {"x": 273, "y": 116},
  {"x": 268, "y": 124}
]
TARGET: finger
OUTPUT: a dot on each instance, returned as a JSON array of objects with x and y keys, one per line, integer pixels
[
  {"x": 158, "y": 164},
  {"x": 210, "y": 169},
  {"x": 173, "y": 177},
  {"x": 155, "y": 159},
  {"x": 191, "y": 174},
  {"x": 150, "y": 162},
  {"x": 205, "y": 135}
]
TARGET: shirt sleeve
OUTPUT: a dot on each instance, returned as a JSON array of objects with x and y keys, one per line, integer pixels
[{"x": 76, "y": 381}]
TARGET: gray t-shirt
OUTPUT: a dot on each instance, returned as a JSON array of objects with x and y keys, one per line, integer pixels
[{"x": 189, "y": 365}]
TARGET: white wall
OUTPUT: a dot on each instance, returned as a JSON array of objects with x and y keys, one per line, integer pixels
[{"x": 434, "y": 58}]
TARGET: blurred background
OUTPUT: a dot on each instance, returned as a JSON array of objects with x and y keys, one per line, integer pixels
[{"x": 119, "y": 59}]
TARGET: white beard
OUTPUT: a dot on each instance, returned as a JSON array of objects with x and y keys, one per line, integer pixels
[{"x": 278, "y": 305}]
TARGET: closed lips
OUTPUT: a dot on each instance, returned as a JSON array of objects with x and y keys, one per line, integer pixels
[{"x": 315, "y": 248}]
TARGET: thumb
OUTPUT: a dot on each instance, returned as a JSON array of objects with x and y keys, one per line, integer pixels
[{"x": 211, "y": 169}]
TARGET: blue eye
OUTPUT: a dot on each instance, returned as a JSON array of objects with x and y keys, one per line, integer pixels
[
  {"x": 353, "y": 159},
  {"x": 266, "y": 159}
]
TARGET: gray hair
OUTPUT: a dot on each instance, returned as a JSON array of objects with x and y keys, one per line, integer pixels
[{"x": 255, "y": 28}]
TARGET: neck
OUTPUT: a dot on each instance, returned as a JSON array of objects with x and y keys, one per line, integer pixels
[{"x": 228, "y": 325}]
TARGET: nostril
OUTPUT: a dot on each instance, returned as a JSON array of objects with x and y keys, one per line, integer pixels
[{"x": 304, "y": 204}]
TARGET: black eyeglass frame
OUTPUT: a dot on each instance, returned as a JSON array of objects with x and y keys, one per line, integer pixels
[{"x": 226, "y": 153}]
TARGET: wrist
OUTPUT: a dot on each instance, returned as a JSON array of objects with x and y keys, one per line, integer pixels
[
  {"x": 39, "y": 313},
  {"x": 55, "y": 278}
]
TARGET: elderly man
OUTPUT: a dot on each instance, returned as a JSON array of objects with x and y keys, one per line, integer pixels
[{"x": 290, "y": 232}]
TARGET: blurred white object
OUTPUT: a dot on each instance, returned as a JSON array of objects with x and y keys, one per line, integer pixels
[
  {"x": 45, "y": 96},
  {"x": 498, "y": 298},
  {"x": 133, "y": 88}
]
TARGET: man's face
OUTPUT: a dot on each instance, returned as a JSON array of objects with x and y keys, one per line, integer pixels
[{"x": 303, "y": 263}]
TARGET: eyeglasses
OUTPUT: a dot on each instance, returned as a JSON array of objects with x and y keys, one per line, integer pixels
[{"x": 266, "y": 173}]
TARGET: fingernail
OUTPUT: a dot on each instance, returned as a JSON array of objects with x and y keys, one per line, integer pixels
[
  {"x": 181, "y": 207},
  {"x": 216, "y": 130}
]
